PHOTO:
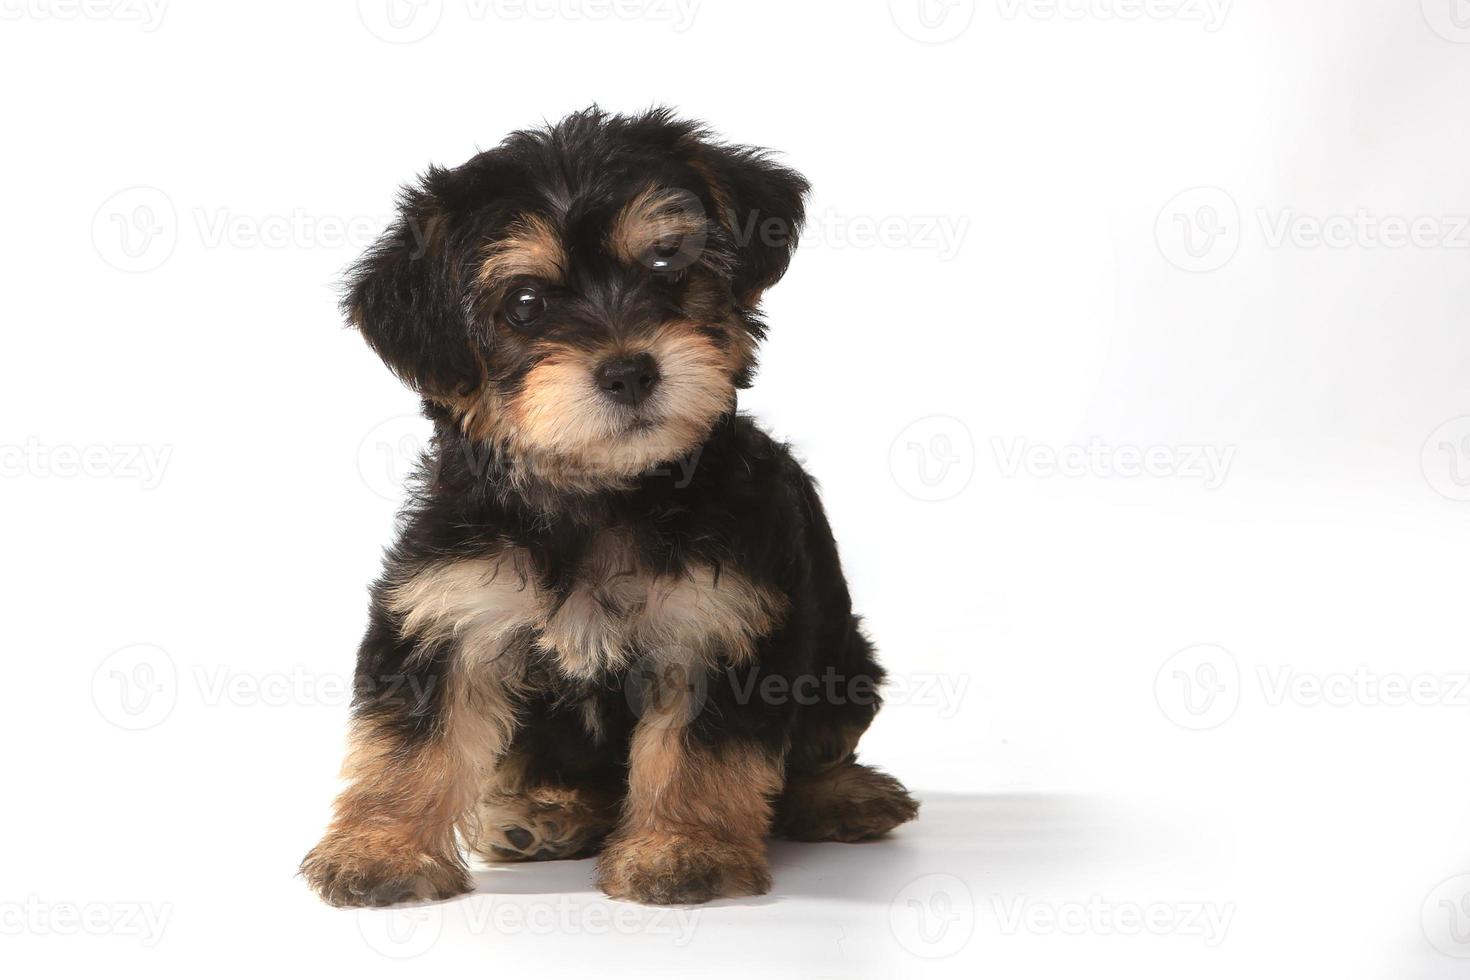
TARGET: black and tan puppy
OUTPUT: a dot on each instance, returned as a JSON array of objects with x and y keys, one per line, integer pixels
[{"x": 614, "y": 620}]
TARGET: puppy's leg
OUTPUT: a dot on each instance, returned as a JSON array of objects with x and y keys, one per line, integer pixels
[
  {"x": 695, "y": 821},
  {"x": 413, "y": 772}
]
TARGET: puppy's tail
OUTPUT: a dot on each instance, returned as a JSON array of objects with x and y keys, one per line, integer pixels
[{"x": 845, "y": 802}]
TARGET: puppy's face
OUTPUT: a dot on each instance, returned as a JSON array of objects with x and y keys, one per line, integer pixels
[{"x": 582, "y": 298}]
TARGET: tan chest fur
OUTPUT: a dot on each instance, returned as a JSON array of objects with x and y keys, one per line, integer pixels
[{"x": 615, "y": 612}]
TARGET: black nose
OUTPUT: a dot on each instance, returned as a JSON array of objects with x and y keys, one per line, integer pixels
[{"x": 628, "y": 379}]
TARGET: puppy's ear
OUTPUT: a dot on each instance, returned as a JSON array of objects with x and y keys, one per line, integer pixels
[
  {"x": 406, "y": 297},
  {"x": 762, "y": 206}
]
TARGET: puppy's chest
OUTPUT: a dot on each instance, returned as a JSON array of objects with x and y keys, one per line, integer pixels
[{"x": 607, "y": 614}]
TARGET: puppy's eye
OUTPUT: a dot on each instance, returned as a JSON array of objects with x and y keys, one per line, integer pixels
[
  {"x": 523, "y": 307},
  {"x": 665, "y": 260}
]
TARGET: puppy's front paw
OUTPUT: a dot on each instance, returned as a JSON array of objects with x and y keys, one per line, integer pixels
[
  {"x": 681, "y": 869},
  {"x": 345, "y": 873}
]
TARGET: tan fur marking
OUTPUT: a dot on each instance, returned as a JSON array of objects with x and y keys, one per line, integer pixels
[
  {"x": 694, "y": 822},
  {"x": 563, "y": 429},
  {"x": 392, "y": 835},
  {"x": 656, "y": 213},
  {"x": 717, "y": 191},
  {"x": 481, "y": 602},
  {"x": 615, "y": 611},
  {"x": 531, "y": 249}
]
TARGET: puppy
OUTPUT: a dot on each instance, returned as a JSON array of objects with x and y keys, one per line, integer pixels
[{"x": 614, "y": 621}]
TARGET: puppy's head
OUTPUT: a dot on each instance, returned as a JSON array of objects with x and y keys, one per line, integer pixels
[{"x": 582, "y": 297}]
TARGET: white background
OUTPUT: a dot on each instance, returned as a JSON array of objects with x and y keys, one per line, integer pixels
[{"x": 1205, "y": 721}]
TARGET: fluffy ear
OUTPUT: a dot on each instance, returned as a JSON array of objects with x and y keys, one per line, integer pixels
[
  {"x": 762, "y": 205},
  {"x": 405, "y": 295}
]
